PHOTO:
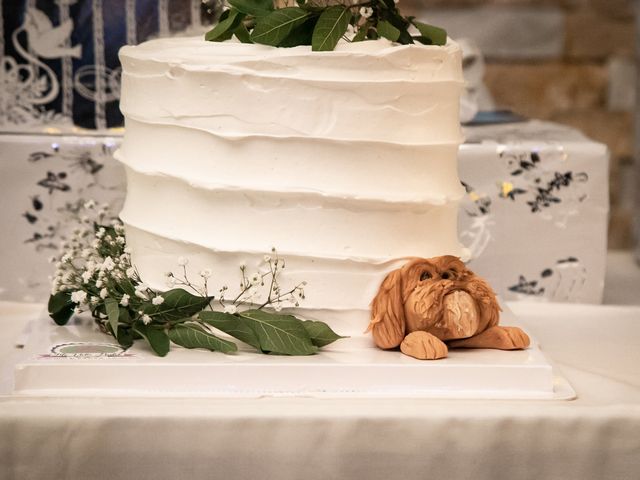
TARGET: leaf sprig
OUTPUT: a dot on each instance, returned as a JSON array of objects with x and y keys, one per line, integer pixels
[
  {"x": 95, "y": 274},
  {"x": 321, "y": 25}
]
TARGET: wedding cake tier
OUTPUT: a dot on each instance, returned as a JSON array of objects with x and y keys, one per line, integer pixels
[{"x": 345, "y": 161}]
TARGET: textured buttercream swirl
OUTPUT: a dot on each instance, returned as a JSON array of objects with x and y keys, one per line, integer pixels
[{"x": 344, "y": 160}]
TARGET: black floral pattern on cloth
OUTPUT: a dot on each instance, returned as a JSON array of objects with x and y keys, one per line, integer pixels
[
  {"x": 533, "y": 181},
  {"x": 560, "y": 282},
  {"x": 71, "y": 176}
]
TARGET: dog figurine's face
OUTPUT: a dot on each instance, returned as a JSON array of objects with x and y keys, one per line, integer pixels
[{"x": 439, "y": 295}]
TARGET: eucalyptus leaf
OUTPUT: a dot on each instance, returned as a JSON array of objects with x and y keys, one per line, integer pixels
[
  {"x": 124, "y": 316},
  {"x": 125, "y": 337},
  {"x": 361, "y": 34},
  {"x": 283, "y": 334},
  {"x": 320, "y": 333},
  {"x": 61, "y": 307},
  {"x": 275, "y": 27},
  {"x": 193, "y": 336},
  {"x": 178, "y": 304},
  {"x": 224, "y": 29},
  {"x": 231, "y": 325},
  {"x": 113, "y": 314},
  {"x": 331, "y": 25},
  {"x": 157, "y": 338},
  {"x": 59, "y": 301},
  {"x": 242, "y": 34},
  {"x": 388, "y": 31},
  {"x": 435, "y": 35},
  {"x": 257, "y": 8},
  {"x": 300, "y": 35}
]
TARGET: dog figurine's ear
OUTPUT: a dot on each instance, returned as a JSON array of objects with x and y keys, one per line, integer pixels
[{"x": 387, "y": 312}]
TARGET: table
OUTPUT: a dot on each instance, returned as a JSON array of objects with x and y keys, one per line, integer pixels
[{"x": 595, "y": 436}]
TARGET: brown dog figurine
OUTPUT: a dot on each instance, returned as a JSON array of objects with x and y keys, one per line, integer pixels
[{"x": 429, "y": 305}]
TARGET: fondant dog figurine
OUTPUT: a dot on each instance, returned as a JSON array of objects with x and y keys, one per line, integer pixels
[{"x": 429, "y": 305}]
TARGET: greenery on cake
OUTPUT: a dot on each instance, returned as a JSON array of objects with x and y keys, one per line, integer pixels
[
  {"x": 95, "y": 274},
  {"x": 321, "y": 24}
]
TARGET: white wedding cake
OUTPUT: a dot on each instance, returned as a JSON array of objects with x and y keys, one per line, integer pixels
[{"x": 345, "y": 161}]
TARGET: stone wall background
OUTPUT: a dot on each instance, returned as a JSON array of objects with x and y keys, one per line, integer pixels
[{"x": 568, "y": 61}]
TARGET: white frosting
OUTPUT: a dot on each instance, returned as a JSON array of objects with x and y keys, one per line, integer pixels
[{"x": 345, "y": 160}]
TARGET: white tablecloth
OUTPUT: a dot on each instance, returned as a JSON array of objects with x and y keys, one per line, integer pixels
[{"x": 595, "y": 436}]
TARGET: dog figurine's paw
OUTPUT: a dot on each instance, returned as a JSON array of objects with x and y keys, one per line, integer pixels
[
  {"x": 423, "y": 346},
  {"x": 502, "y": 338},
  {"x": 514, "y": 338}
]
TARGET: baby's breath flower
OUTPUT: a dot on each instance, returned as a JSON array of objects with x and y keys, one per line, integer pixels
[
  {"x": 131, "y": 272},
  {"x": 86, "y": 276},
  {"x": 94, "y": 299},
  {"x": 206, "y": 273},
  {"x": 99, "y": 283},
  {"x": 146, "y": 319},
  {"x": 366, "y": 12},
  {"x": 124, "y": 301},
  {"x": 267, "y": 258},
  {"x": 100, "y": 233},
  {"x": 141, "y": 294},
  {"x": 108, "y": 264},
  {"x": 255, "y": 279},
  {"x": 158, "y": 300},
  {"x": 79, "y": 296},
  {"x": 128, "y": 250},
  {"x": 183, "y": 261},
  {"x": 104, "y": 293}
]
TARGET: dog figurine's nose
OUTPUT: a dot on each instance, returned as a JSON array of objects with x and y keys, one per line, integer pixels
[{"x": 461, "y": 315}]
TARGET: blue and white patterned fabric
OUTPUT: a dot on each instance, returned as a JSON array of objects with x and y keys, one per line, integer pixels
[{"x": 60, "y": 57}]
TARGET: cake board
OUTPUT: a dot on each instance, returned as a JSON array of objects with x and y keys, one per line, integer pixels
[{"x": 79, "y": 360}]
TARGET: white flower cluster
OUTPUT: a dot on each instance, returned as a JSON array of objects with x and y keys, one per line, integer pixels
[
  {"x": 262, "y": 288},
  {"x": 93, "y": 261}
]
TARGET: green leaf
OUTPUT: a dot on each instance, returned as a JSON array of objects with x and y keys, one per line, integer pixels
[
  {"x": 332, "y": 24},
  {"x": 320, "y": 333},
  {"x": 224, "y": 29},
  {"x": 61, "y": 307},
  {"x": 243, "y": 34},
  {"x": 193, "y": 336},
  {"x": 401, "y": 24},
  {"x": 388, "y": 31},
  {"x": 231, "y": 325},
  {"x": 435, "y": 35},
  {"x": 362, "y": 33},
  {"x": 178, "y": 304},
  {"x": 283, "y": 334},
  {"x": 275, "y": 27},
  {"x": 300, "y": 35},
  {"x": 113, "y": 313},
  {"x": 125, "y": 337},
  {"x": 257, "y": 8},
  {"x": 157, "y": 338}
]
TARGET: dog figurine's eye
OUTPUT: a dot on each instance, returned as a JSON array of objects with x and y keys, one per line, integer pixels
[
  {"x": 448, "y": 275},
  {"x": 425, "y": 276}
]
